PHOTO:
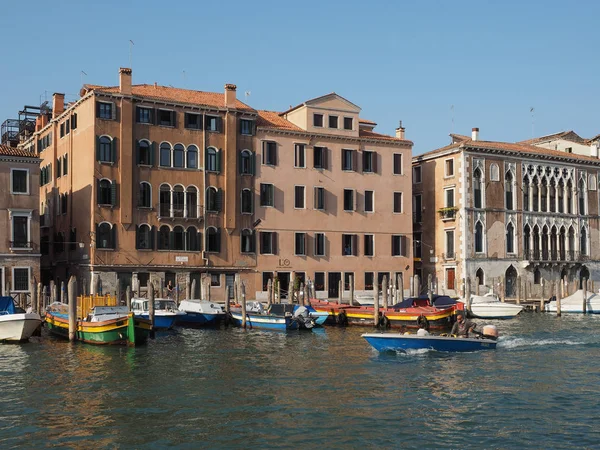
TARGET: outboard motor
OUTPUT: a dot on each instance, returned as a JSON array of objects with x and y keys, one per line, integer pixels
[
  {"x": 490, "y": 332},
  {"x": 302, "y": 315}
]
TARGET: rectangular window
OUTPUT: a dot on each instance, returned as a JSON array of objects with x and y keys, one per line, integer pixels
[
  {"x": 193, "y": 121},
  {"x": 299, "y": 197},
  {"x": 449, "y": 244},
  {"x": 348, "y": 159},
  {"x": 62, "y": 130},
  {"x": 269, "y": 154},
  {"x": 333, "y": 122},
  {"x": 318, "y": 120},
  {"x": 58, "y": 168},
  {"x": 267, "y": 194},
  {"x": 369, "y": 162},
  {"x": 397, "y": 202},
  {"x": 65, "y": 164},
  {"x": 105, "y": 110},
  {"x": 212, "y": 123},
  {"x": 418, "y": 208},
  {"x": 67, "y": 126},
  {"x": 299, "y": 156},
  {"x": 449, "y": 198},
  {"x": 347, "y": 277},
  {"x": 319, "y": 281},
  {"x": 144, "y": 115},
  {"x": 398, "y": 245},
  {"x": 349, "y": 245},
  {"x": 417, "y": 174},
  {"x": 398, "y": 164},
  {"x": 319, "y": 244},
  {"x": 348, "y": 125},
  {"x": 215, "y": 279},
  {"x": 348, "y": 199},
  {"x": 369, "y": 201},
  {"x": 300, "y": 244},
  {"x": 369, "y": 247},
  {"x": 246, "y": 127},
  {"x": 450, "y": 167},
  {"x": 166, "y": 118},
  {"x": 319, "y": 200},
  {"x": 267, "y": 242},
  {"x": 19, "y": 181},
  {"x": 369, "y": 278},
  {"x": 266, "y": 276},
  {"x": 320, "y": 158},
  {"x": 20, "y": 279},
  {"x": 20, "y": 232}
]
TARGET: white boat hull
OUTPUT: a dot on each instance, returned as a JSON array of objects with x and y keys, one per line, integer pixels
[
  {"x": 574, "y": 304},
  {"x": 18, "y": 327},
  {"x": 489, "y": 306}
]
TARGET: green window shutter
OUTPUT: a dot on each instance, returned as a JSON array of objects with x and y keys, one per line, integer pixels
[
  {"x": 171, "y": 240},
  {"x": 113, "y": 150},
  {"x": 97, "y": 148},
  {"x": 174, "y": 118},
  {"x": 98, "y": 192},
  {"x": 218, "y": 240},
  {"x": 96, "y": 236},
  {"x": 253, "y": 163},
  {"x": 199, "y": 241},
  {"x": 113, "y": 111},
  {"x": 97, "y": 109},
  {"x": 274, "y": 242},
  {"x": 152, "y": 153},
  {"x": 220, "y": 124},
  {"x": 219, "y": 200},
  {"x": 240, "y": 163},
  {"x": 137, "y": 152},
  {"x": 219, "y": 160},
  {"x": 113, "y": 192},
  {"x": 152, "y": 239},
  {"x": 137, "y": 237},
  {"x": 113, "y": 236}
]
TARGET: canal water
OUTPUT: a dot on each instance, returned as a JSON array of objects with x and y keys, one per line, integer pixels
[{"x": 232, "y": 388}]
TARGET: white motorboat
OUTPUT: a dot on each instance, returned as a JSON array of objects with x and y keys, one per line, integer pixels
[
  {"x": 489, "y": 306},
  {"x": 574, "y": 303},
  {"x": 16, "y": 324}
]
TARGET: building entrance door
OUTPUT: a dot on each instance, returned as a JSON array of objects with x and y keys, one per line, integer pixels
[
  {"x": 334, "y": 284},
  {"x": 284, "y": 283},
  {"x": 229, "y": 282},
  {"x": 451, "y": 278}
]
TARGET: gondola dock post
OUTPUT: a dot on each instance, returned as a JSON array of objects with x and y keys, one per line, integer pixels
[
  {"x": 128, "y": 298},
  {"x": 151, "y": 308},
  {"x": 72, "y": 309},
  {"x": 243, "y": 299},
  {"x": 584, "y": 286},
  {"x": 376, "y": 306},
  {"x": 351, "y": 300},
  {"x": 558, "y": 299}
]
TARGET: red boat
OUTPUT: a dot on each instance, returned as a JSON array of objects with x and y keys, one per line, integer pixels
[{"x": 409, "y": 314}]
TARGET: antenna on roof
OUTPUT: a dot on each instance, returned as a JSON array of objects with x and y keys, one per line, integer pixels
[
  {"x": 452, "y": 119},
  {"x": 131, "y": 44},
  {"x": 246, "y": 95},
  {"x": 532, "y": 111},
  {"x": 82, "y": 74},
  {"x": 183, "y": 73}
]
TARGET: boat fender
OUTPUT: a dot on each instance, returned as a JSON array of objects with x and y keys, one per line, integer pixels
[
  {"x": 422, "y": 320},
  {"x": 342, "y": 319}
]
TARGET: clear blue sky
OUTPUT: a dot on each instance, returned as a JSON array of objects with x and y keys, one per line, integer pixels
[{"x": 398, "y": 60}]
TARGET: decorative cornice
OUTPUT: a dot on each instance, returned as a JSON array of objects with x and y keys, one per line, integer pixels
[{"x": 308, "y": 135}]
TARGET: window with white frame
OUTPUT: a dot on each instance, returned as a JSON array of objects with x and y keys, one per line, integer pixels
[
  {"x": 349, "y": 245},
  {"x": 449, "y": 167},
  {"x": 397, "y": 202},
  {"x": 269, "y": 154},
  {"x": 449, "y": 244},
  {"x": 300, "y": 244},
  {"x": 20, "y": 221},
  {"x": 267, "y": 194},
  {"x": 369, "y": 201},
  {"x": 20, "y": 279},
  {"x": 348, "y": 199},
  {"x": 19, "y": 181},
  {"x": 449, "y": 197},
  {"x": 369, "y": 244},
  {"x": 398, "y": 164},
  {"x": 319, "y": 198},
  {"x": 348, "y": 157},
  {"x": 398, "y": 245},
  {"x": 300, "y": 156},
  {"x": 319, "y": 244},
  {"x": 299, "y": 197}
]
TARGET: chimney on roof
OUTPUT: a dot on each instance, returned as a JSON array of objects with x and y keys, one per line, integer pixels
[
  {"x": 594, "y": 150},
  {"x": 230, "y": 95},
  {"x": 58, "y": 104},
  {"x": 125, "y": 81},
  {"x": 475, "y": 134},
  {"x": 400, "y": 131}
]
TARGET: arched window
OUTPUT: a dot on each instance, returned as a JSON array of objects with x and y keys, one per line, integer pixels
[
  {"x": 105, "y": 192},
  {"x": 494, "y": 172},
  {"x": 144, "y": 237},
  {"x": 246, "y": 163},
  {"x": 145, "y": 195},
  {"x": 144, "y": 153},
  {"x": 192, "y": 157},
  {"x": 569, "y": 197},
  {"x": 544, "y": 195},
  {"x": 164, "y": 235},
  {"x": 536, "y": 242},
  {"x": 105, "y": 145},
  {"x": 510, "y": 280},
  {"x": 508, "y": 190},
  {"x": 510, "y": 238},
  {"x": 213, "y": 240},
  {"x": 583, "y": 242},
  {"x": 248, "y": 241},
  {"x": 571, "y": 256},
  {"x": 178, "y": 201},
  {"x": 212, "y": 199},
  {"x": 212, "y": 159},
  {"x": 525, "y": 194},
  {"x": 526, "y": 236},
  {"x": 192, "y": 240},
  {"x": 535, "y": 195},
  {"x": 552, "y": 190},
  {"x": 191, "y": 202},
  {"x": 480, "y": 275},
  {"x": 561, "y": 195},
  {"x": 178, "y": 238},
  {"x": 246, "y": 201},
  {"x": 537, "y": 276},
  {"x": 477, "y": 197},
  {"x": 164, "y": 194},
  {"x": 582, "y": 197},
  {"x": 562, "y": 244},
  {"x": 478, "y": 237},
  {"x": 592, "y": 183},
  {"x": 165, "y": 154},
  {"x": 105, "y": 236},
  {"x": 545, "y": 242},
  {"x": 179, "y": 156}
]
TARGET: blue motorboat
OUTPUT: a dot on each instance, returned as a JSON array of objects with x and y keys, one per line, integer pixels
[
  {"x": 200, "y": 313},
  {"x": 165, "y": 312},
  {"x": 280, "y": 317},
  {"x": 319, "y": 317},
  {"x": 384, "y": 342}
]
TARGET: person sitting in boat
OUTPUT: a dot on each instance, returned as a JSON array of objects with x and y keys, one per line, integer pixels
[
  {"x": 422, "y": 331},
  {"x": 462, "y": 326}
]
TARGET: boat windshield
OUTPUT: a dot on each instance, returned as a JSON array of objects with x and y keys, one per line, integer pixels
[{"x": 165, "y": 305}]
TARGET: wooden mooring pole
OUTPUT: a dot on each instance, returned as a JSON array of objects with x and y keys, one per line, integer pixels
[
  {"x": 128, "y": 298},
  {"x": 584, "y": 286},
  {"x": 384, "y": 291},
  {"x": 151, "y": 307},
  {"x": 559, "y": 294},
  {"x": 351, "y": 300},
  {"x": 72, "y": 309},
  {"x": 376, "y": 306},
  {"x": 243, "y": 299}
]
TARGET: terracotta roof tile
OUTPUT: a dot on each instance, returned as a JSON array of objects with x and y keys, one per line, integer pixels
[
  {"x": 272, "y": 119},
  {"x": 6, "y": 150},
  {"x": 372, "y": 135},
  {"x": 171, "y": 94},
  {"x": 368, "y": 122},
  {"x": 566, "y": 135}
]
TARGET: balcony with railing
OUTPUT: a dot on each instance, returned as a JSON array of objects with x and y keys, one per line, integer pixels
[
  {"x": 189, "y": 212},
  {"x": 448, "y": 213},
  {"x": 554, "y": 256}
]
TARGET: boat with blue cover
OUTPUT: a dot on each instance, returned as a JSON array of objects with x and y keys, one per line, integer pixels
[
  {"x": 404, "y": 342},
  {"x": 279, "y": 317},
  {"x": 16, "y": 324},
  {"x": 165, "y": 311},
  {"x": 200, "y": 313}
]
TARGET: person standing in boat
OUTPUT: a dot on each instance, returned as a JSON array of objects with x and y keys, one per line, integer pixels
[
  {"x": 169, "y": 289},
  {"x": 462, "y": 326}
]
